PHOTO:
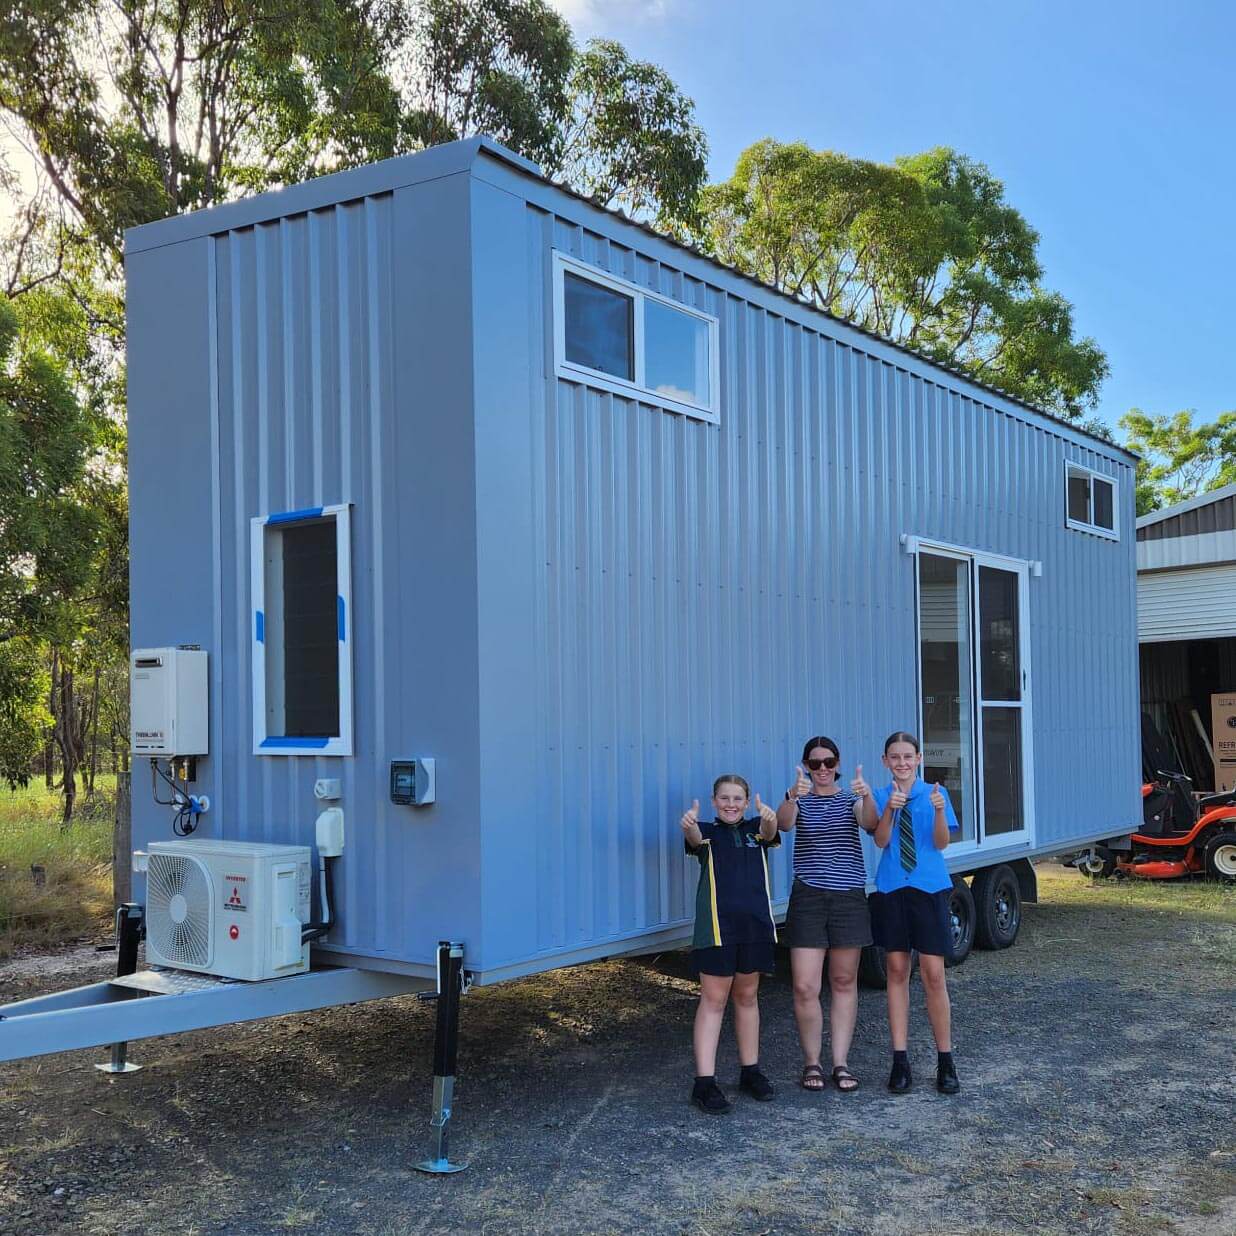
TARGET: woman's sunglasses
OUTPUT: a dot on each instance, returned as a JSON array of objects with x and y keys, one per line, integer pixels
[{"x": 829, "y": 761}]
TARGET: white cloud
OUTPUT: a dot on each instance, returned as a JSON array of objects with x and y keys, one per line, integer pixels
[{"x": 588, "y": 17}]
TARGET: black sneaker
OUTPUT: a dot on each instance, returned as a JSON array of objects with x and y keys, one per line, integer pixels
[
  {"x": 754, "y": 1083},
  {"x": 947, "y": 1081},
  {"x": 710, "y": 1098},
  {"x": 900, "y": 1079}
]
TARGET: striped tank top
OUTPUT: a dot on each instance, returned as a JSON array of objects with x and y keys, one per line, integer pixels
[{"x": 827, "y": 851}]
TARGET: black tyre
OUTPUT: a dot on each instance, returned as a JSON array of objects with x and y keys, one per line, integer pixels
[
  {"x": 1221, "y": 855},
  {"x": 871, "y": 971},
  {"x": 961, "y": 921},
  {"x": 997, "y": 906}
]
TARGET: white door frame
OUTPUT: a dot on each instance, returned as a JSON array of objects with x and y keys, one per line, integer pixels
[{"x": 1023, "y": 570}]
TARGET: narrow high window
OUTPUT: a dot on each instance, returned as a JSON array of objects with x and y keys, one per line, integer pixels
[
  {"x": 613, "y": 334},
  {"x": 1090, "y": 501},
  {"x": 302, "y": 662}
]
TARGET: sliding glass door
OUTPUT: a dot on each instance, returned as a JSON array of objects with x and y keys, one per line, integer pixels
[{"x": 973, "y": 678}]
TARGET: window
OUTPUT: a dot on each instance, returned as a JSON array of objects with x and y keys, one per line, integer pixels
[
  {"x": 302, "y": 652},
  {"x": 1090, "y": 501},
  {"x": 622, "y": 338}
]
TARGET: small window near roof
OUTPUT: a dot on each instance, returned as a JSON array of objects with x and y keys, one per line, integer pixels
[
  {"x": 1090, "y": 502},
  {"x": 615, "y": 335}
]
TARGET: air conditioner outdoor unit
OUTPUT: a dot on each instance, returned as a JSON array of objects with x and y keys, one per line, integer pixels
[{"x": 234, "y": 909}]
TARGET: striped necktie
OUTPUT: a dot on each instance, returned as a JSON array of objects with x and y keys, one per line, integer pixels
[{"x": 905, "y": 839}]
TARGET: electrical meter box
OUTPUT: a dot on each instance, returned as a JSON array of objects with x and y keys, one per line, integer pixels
[{"x": 168, "y": 702}]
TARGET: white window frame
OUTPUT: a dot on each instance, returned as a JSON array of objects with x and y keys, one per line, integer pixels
[
  {"x": 265, "y": 743},
  {"x": 572, "y": 372},
  {"x": 1112, "y": 533}
]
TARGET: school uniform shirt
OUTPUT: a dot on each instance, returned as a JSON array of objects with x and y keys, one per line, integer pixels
[
  {"x": 733, "y": 904},
  {"x": 827, "y": 851},
  {"x": 929, "y": 874}
]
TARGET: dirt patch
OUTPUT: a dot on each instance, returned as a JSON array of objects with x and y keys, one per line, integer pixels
[{"x": 1096, "y": 1059}]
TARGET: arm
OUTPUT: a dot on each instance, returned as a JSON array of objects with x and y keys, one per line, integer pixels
[
  {"x": 864, "y": 806},
  {"x": 770, "y": 822},
  {"x": 939, "y": 824},
  {"x": 690, "y": 825},
  {"x": 888, "y": 818},
  {"x": 787, "y": 813}
]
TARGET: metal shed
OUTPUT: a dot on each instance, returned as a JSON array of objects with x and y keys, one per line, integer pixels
[
  {"x": 607, "y": 519},
  {"x": 1186, "y": 621}
]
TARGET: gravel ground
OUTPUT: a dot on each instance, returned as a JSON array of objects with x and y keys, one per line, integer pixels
[{"x": 1096, "y": 1059}]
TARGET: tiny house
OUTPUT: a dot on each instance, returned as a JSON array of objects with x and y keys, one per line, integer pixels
[{"x": 448, "y": 469}]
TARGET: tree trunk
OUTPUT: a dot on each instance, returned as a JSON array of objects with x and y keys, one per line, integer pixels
[
  {"x": 49, "y": 747},
  {"x": 94, "y": 733},
  {"x": 122, "y": 842},
  {"x": 66, "y": 740}
]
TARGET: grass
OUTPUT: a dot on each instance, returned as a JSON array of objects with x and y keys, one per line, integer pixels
[
  {"x": 1192, "y": 897},
  {"x": 75, "y": 898}
]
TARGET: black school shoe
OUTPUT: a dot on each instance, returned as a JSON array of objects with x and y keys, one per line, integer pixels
[
  {"x": 947, "y": 1081},
  {"x": 754, "y": 1083},
  {"x": 710, "y": 1098},
  {"x": 900, "y": 1079}
]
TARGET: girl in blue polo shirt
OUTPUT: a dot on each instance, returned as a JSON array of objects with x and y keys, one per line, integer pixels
[
  {"x": 734, "y": 933},
  {"x": 909, "y": 909}
]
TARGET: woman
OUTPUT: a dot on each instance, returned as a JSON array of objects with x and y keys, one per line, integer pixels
[{"x": 828, "y": 904}]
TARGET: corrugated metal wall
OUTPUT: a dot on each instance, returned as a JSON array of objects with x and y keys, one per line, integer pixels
[
  {"x": 326, "y": 388},
  {"x": 1192, "y": 604},
  {"x": 707, "y": 597}
]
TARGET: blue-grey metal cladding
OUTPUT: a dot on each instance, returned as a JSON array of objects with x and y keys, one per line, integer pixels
[
  {"x": 700, "y": 599},
  {"x": 584, "y": 607}
]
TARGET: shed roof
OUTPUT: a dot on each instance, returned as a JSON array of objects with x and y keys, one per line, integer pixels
[{"x": 453, "y": 157}]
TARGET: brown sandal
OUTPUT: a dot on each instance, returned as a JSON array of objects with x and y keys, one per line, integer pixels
[
  {"x": 813, "y": 1078},
  {"x": 844, "y": 1080}
]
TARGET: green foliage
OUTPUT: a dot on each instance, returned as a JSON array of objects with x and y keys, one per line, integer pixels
[
  {"x": 23, "y": 709},
  {"x": 925, "y": 251},
  {"x": 630, "y": 137},
  {"x": 1179, "y": 459},
  {"x": 48, "y": 536}
]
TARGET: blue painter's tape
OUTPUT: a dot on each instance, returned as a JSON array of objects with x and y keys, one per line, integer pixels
[
  {"x": 343, "y": 629},
  {"x": 259, "y": 626},
  {"x": 287, "y": 517},
  {"x": 281, "y": 741}
]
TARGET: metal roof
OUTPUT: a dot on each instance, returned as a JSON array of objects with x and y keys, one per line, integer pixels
[
  {"x": 1192, "y": 504},
  {"x": 453, "y": 157}
]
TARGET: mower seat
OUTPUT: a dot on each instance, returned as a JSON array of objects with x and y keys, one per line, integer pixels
[{"x": 1218, "y": 800}]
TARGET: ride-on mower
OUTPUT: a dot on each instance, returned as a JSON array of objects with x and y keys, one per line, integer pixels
[{"x": 1180, "y": 835}]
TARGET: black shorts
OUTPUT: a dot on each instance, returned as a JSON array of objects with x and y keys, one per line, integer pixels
[
  {"x": 726, "y": 960},
  {"x": 912, "y": 919},
  {"x": 823, "y": 918}
]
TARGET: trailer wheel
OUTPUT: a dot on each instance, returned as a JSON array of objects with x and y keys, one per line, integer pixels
[
  {"x": 871, "y": 971},
  {"x": 961, "y": 916},
  {"x": 1097, "y": 865},
  {"x": 997, "y": 901},
  {"x": 1221, "y": 856}
]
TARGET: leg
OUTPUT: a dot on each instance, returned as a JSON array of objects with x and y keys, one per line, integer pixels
[
  {"x": 939, "y": 1013},
  {"x": 714, "y": 992},
  {"x": 843, "y": 1004},
  {"x": 445, "y": 1055},
  {"x": 807, "y": 969},
  {"x": 745, "y": 995},
  {"x": 897, "y": 969}
]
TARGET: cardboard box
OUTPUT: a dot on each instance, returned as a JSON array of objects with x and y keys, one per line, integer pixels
[{"x": 1223, "y": 731}]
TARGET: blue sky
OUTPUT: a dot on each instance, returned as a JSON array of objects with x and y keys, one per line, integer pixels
[{"x": 1111, "y": 125}]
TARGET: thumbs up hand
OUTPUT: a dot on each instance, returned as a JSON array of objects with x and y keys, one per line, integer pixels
[
  {"x": 937, "y": 798},
  {"x": 767, "y": 814},
  {"x": 802, "y": 783},
  {"x": 858, "y": 787},
  {"x": 897, "y": 799},
  {"x": 690, "y": 819}
]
